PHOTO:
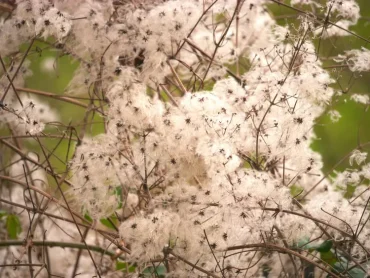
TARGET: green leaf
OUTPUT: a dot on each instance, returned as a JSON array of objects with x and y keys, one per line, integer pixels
[
  {"x": 353, "y": 273},
  {"x": 343, "y": 265},
  {"x": 3, "y": 213},
  {"x": 350, "y": 190},
  {"x": 118, "y": 193},
  {"x": 107, "y": 223},
  {"x": 159, "y": 271},
  {"x": 295, "y": 190},
  {"x": 88, "y": 218},
  {"x": 13, "y": 226},
  {"x": 329, "y": 258},
  {"x": 325, "y": 246},
  {"x": 304, "y": 244},
  {"x": 125, "y": 267}
]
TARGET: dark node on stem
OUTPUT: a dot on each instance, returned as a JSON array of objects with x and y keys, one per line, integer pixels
[
  {"x": 139, "y": 60},
  {"x": 2, "y": 105}
]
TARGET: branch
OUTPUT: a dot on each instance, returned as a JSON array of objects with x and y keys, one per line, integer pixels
[
  {"x": 281, "y": 250},
  {"x": 320, "y": 19},
  {"x": 51, "y": 95},
  {"x": 60, "y": 244},
  {"x": 192, "y": 265}
]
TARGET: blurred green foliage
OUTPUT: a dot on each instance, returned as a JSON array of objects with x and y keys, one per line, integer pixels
[
  {"x": 12, "y": 224},
  {"x": 56, "y": 81},
  {"x": 335, "y": 140}
]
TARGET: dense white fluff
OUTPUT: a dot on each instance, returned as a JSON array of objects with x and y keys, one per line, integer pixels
[
  {"x": 357, "y": 60},
  {"x": 208, "y": 126}
]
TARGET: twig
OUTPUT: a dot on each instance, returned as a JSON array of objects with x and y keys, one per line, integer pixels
[
  {"x": 16, "y": 72},
  {"x": 281, "y": 250},
  {"x": 192, "y": 265},
  {"x": 51, "y": 95},
  {"x": 214, "y": 256},
  {"x": 60, "y": 244}
]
